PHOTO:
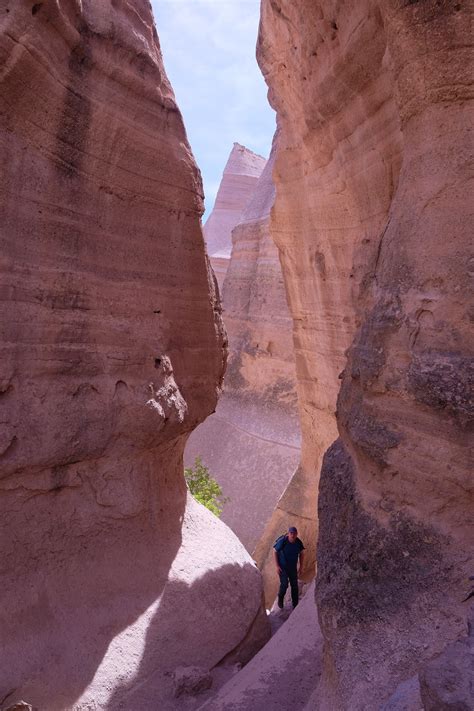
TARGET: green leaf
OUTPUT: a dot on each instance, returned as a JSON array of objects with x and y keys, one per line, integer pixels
[{"x": 204, "y": 488}]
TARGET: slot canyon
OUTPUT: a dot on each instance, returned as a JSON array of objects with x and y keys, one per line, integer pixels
[{"x": 312, "y": 342}]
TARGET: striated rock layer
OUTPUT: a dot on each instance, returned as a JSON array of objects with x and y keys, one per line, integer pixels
[
  {"x": 251, "y": 443},
  {"x": 112, "y": 352},
  {"x": 370, "y": 218},
  {"x": 240, "y": 176}
]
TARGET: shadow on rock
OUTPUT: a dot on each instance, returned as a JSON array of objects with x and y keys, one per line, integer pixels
[
  {"x": 82, "y": 578},
  {"x": 196, "y": 625}
]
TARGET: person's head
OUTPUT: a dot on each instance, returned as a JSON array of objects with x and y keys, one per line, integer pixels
[{"x": 292, "y": 534}]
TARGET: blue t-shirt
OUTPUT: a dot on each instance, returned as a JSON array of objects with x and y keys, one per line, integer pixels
[{"x": 288, "y": 553}]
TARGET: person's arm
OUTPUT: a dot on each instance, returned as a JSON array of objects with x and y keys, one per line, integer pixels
[
  {"x": 301, "y": 561},
  {"x": 277, "y": 562}
]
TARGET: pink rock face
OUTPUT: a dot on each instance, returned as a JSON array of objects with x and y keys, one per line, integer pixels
[
  {"x": 239, "y": 179},
  {"x": 251, "y": 444},
  {"x": 261, "y": 360},
  {"x": 113, "y": 350},
  {"x": 371, "y": 221}
]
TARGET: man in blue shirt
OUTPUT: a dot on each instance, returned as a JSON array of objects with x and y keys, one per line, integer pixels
[{"x": 286, "y": 552}]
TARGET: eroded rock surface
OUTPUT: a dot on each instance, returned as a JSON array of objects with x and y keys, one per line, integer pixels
[
  {"x": 447, "y": 681},
  {"x": 113, "y": 350},
  {"x": 284, "y": 674},
  {"x": 191, "y": 681},
  {"x": 240, "y": 176},
  {"x": 251, "y": 444},
  {"x": 370, "y": 217}
]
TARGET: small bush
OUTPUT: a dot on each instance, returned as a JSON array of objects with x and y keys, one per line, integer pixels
[{"x": 204, "y": 488}]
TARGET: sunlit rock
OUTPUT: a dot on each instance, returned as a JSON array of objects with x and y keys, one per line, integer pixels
[
  {"x": 251, "y": 444},
  {"x": 240, "y": 176},
  {"x": 371, "y": 221},
  {"x": 113, "y": 351}
]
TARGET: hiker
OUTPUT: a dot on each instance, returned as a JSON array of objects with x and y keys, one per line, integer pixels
[{"x": 286, "y": 551}]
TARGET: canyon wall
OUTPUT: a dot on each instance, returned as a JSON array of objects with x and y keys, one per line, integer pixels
[
  {"x": 370, "y": 218},
  {"x": 240, "y": 176},
  {"x": 113, "y": 350},
  {"x": 251, "y": 443}
]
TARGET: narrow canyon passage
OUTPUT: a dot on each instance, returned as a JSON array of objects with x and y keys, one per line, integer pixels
[
  {"x": 252, "y": 442},
  {"x": 338, "y": 401}
]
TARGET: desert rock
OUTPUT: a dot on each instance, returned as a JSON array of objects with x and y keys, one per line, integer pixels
[
  {"x": 191, "y": 680},
  {"x": 251, "y": 444},
  {"x": 113, "y": 350},
  {"x": 447, "y": 681},
  {"x": 285, "y": 673},
  {"x": 370, "y": 217},
  {"x": 406, "y": 697},
  {"x": 240, "y": 176}
]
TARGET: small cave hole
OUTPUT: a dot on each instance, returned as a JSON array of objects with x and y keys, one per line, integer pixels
[
  {"x": 334, "y": 25},
  {"x": 157, "y": 311},
  {"x": 157, "y": 362},
  {"x": 5, "y": 389},
  {"x": 36, "y": 7},
  {"x": 121, "y": 387}
]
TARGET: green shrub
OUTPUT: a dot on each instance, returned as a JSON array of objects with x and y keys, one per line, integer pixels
[{"x": 204, "y": 488}]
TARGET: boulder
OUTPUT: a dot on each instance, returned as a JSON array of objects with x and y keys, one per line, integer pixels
[{"x": 284, "y": 674}]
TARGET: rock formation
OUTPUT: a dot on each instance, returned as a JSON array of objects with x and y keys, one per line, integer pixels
[
  {"x": 370, "y": 220},
  {"x": 447, "y": 681},
  {"x": 240, "y": 176},
  {"x": 251, "y": 443},
  {"x": 112, "y": 352},
  {"x": 284, "y": 673}
]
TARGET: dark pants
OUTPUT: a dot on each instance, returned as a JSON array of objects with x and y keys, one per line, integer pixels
[{"x": 285, "y": 578}]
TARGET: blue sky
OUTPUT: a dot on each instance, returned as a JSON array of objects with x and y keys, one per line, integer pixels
[{"x": 209, "y": 54}]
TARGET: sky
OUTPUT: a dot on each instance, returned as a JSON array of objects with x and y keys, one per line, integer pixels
[{"x": 208, "y": 49}]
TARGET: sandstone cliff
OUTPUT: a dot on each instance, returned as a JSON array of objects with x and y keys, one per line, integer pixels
[
  {"x": 370, "y": 219},
  {"x": 240, "y": 176},
  {"x": 251, "y": 443},
  {"x": 113, "y": 350}
]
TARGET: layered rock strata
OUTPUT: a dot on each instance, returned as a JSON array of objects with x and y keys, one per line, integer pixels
[
  {"x": 370, "y": 218},
  {"x": 251, "y": 443},
  {"x": 239, "y": 179},
  {"x": 113, "y": 350}
]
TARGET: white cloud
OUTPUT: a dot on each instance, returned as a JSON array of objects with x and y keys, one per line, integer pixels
[{"x": 209, "y": 53}]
